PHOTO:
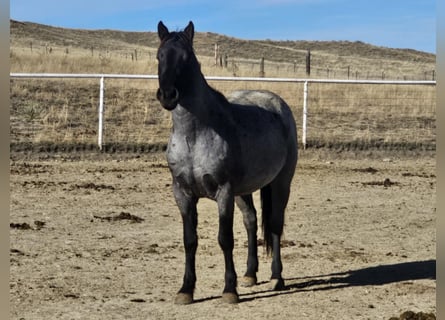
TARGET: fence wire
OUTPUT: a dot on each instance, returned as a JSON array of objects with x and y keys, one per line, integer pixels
[
  {"x": 64, "y": 112},
  {"x": 367, "y": 115}
]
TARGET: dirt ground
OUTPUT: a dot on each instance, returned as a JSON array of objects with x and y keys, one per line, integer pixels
[{"x": 101, "y": 238}]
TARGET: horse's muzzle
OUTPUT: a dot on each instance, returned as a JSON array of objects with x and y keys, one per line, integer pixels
[{"x": 168, "y": 98}]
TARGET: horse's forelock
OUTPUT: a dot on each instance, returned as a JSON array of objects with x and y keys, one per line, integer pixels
[{"x": 178, "y": 36}]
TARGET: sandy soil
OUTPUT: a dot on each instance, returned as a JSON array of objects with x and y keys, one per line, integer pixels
[{"x": 102, "y": 239}]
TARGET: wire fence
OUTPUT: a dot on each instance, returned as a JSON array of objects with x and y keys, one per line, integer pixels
[
  {"x": 296, "y": 67},
  {"x": 50, "y": 111}
]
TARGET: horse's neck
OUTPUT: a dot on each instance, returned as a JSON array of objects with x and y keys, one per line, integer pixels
[{"x": 199, "y": 107}]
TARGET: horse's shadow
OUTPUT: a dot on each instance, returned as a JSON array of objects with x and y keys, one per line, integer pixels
[{"x": 370, "y": 276}]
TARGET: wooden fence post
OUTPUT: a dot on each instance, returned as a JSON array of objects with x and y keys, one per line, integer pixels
[
  {"x": 216, "y": 53},
  {"x": 262, "y": 74},
  {"x": 308, "y": 63}
]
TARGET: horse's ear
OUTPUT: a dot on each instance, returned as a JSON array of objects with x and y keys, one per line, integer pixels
[
  {"x": 162, "y": 30},
  {"x": 190, "y": 31}
]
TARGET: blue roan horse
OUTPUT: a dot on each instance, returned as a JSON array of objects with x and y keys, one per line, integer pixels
[{"x": 225, "y": 149}]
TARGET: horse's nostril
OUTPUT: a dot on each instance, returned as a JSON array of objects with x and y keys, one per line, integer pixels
[
  {"x": 168, "y": 98},
  {"x": 159, "y": 94},
  {"x": 172, "y": 94},
  {"x": 176, "y": 97}
]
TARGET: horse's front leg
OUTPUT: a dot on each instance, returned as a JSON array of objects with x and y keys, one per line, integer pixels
[
  {"x": 226, "y": 200},
  {"x": 187, "y": 207}
]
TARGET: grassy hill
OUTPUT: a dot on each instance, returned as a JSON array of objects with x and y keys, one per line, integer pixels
[{"x": 328, "y": 58}]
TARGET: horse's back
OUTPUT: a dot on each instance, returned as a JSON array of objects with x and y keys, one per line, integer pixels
[
  {"x": 269, "y": 101},
  {"x": 262, "y": 98}
]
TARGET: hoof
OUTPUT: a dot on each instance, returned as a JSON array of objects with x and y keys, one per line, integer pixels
[
  {"x": 230, "y": 297},
  {"x": 247, "y": 281},
  {"x": 184, "y": 298},
  {"x": 277, "y": 284}
]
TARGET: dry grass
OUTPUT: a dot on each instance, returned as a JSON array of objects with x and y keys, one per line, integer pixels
[
  {"x": 100, "y": 48},
  {"x": 65, "y": 111},
  {"x": 366, "y": 116}
]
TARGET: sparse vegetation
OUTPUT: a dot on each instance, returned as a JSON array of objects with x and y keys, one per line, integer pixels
[{"x": 341, "y": 116}]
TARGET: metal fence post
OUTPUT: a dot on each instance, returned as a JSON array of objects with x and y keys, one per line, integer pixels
[
  {"x": 305, "y": 97},
  {"x": 101, "y": 114}
]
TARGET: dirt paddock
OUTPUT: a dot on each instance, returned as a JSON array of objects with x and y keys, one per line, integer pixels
[{"x": 101, "y": 238}]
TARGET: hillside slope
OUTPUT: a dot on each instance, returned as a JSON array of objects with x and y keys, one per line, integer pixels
[{"x": 335, "y": 53}]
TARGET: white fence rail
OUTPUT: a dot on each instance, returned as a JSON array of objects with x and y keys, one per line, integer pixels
[{"x": 102, "y": 78}]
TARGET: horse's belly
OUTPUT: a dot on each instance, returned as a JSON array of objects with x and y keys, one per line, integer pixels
[
  {"x": 250, "y": 186},
  {"x": 254, "y": 179},
  {"x": 259, "y": 167}
]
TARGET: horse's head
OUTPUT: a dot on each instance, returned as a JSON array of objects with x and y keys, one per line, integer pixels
[{"x": 174, "y": 55}]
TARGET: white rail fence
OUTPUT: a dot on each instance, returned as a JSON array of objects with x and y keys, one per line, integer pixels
[{"x": 102, "y": 77}]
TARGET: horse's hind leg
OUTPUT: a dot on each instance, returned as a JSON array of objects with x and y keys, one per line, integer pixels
[
  {"x": 275, "y": 197},
  {"x": 245, "y": 203},
  {"x": 280, "y": 197}
]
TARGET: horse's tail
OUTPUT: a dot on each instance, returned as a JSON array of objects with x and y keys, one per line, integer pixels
[{"x": 266, "y": 215}]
